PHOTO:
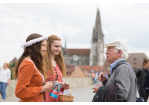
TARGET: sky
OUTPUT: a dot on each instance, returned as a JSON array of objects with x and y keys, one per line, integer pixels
[{"x": 128, "y": 22}]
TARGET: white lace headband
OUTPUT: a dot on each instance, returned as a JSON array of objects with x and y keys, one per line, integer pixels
[{"x": 33, "y": 41}]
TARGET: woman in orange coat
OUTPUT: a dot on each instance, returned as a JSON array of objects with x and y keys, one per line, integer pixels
[
  {"x": 55, "y": 65},
  {"x": 30, "y": 71}
]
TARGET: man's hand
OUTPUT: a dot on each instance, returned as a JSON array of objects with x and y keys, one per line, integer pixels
[
  {"x": 101, "y": 77},
  {"x": 96, "y": 88}
]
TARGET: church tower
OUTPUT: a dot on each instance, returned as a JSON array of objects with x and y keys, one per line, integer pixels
[{"x": 97, "y": 43}]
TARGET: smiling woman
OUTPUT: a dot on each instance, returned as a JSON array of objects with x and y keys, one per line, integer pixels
[{"x": 55, "y": 65}]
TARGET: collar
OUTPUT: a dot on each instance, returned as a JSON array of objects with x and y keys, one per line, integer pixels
[
  {"x": 114, "y": 63},
  {"x": 146, "y": 69}
]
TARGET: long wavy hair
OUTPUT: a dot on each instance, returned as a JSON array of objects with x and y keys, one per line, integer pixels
[
  {"x": 34, "y": 52},
  {"x": 58, "y": 58}
]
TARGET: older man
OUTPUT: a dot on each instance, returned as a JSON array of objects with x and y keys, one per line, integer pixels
[{"x": 122, "y": 74}]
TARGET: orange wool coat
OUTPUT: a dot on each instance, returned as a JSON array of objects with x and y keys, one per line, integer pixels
[{"x": 29, "y": 83}]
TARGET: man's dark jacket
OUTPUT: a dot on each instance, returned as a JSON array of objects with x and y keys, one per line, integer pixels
[{"x": 111, "y": 94}]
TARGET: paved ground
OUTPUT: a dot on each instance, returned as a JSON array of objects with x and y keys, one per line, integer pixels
[{"x": 82, "y": 94}]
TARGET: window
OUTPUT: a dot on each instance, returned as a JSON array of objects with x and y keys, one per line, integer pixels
[
  {"x": 97, "y": 35},
  {"x": 134, "y": 63},
  {"x": 96, "y": 26},
  {"x": 96, "y": 50}
]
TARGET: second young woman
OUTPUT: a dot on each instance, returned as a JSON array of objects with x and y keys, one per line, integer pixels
[{"x": 55, "y": 65}]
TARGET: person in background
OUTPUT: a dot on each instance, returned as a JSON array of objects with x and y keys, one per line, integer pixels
[
  {"x": 93, "y": 77},
  {"x": 143, "y": 79},
  {"x": 55, "y": 65},
  {"x": 96, "y": 76},
  {"x": 5, "y": 76}
]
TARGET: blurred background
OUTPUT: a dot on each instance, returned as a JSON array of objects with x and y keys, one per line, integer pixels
[{"x": 84, "y": 29}]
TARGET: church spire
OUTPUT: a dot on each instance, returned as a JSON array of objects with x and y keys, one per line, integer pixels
[
  {"x": 98, "y": 20},
  {"x": 97, "y": 48}
]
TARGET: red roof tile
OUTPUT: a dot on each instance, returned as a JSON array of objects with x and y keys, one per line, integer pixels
[
  {"x": 89, "y": 68},
  {"x": 70, "y": 69},
  {"x": 78, "y": 52}
]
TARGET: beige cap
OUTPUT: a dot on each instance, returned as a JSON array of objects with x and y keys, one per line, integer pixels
[{"x": 120, "y": 46}]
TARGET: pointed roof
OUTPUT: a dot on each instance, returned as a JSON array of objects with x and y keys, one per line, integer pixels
[
  {"x": 84, "y": 69},
  {"x": 98, "y": 20},
  {"x": 14, "y": 60}
]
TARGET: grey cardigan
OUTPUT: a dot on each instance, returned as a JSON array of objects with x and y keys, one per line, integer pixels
[{"x": 124, "y": 78}]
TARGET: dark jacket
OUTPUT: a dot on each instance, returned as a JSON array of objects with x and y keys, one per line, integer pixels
[
  {"x": 111, "y": 94},
  {"x": 108, "y": 94},
  {"x": 141, "y": 75}
]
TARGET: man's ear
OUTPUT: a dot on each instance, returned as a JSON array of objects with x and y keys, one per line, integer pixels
[{"x": 119, "y": 52}]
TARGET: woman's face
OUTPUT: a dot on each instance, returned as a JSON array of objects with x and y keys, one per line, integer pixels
[
  {"x": 56, "y": 47},
  {"x": 5, "y": 66},
  {"x": 43, "y": 47},
  {"x": 147, "y": 66}
]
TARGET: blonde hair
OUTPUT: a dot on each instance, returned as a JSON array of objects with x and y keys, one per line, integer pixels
[
  {"x": 58, "y": 58},
  {"x": 6, "y": 64}
]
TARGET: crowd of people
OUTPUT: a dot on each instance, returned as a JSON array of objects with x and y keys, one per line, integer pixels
[{"x": 42, "y": 64}]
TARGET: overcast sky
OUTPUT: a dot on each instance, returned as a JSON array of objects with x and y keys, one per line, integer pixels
[{"x": 120, "y": 21}]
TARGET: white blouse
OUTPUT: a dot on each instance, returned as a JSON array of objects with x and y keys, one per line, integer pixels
[{"x": 5, "y": 75}]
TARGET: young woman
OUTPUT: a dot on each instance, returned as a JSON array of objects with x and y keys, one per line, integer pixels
[
  {"x": 30, "y": 70},
  {"x": 5, "y": 75},
  {"x": 143, "y": 79},
  {"x": 55, "y": 65}
]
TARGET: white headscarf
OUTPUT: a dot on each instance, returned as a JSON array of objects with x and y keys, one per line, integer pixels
[
  {"x": 120, "y": 46},
  {"x": 33, "y": 41}
]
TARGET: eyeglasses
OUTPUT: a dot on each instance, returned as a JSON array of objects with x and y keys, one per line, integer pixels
[{"x": 108, "y": 50}]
